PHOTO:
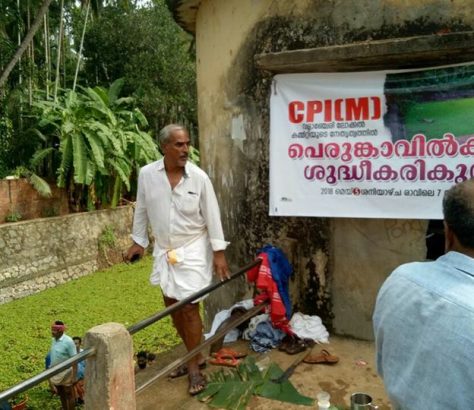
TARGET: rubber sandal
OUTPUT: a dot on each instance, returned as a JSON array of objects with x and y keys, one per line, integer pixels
[
  {"x": 225, "y": 361},
  {"x": 229, "y": 354},
  {"x": 324, "y": 357},
  {"x": 183, "y": 370},
  {"x": 197, "y": 383}
]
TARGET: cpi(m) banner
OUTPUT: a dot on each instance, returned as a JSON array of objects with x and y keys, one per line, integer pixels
[{"x": 370, "y": 144}]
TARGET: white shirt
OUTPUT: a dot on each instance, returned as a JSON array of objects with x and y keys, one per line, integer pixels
[{"x": 186, "y": 219}]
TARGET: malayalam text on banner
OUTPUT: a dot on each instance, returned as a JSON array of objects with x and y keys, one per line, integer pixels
[{"x": 370, "y": 144}]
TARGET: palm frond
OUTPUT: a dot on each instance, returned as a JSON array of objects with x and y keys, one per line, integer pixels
[
  {"x": 39, "y": 156},
  {"x": 114, "y": 90},
  {"x": 80, "y": 159},
  {"x": 40, "y": 185},
  {"x": 123, "y": 170},
  {"x": 66, "y": 150},
  {"x": 95, "y": 143}
]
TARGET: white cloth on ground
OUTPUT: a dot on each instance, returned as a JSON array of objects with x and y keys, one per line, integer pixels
[
  {"x": 309, "y": 327},
  {"x": 233, "y": 334}
]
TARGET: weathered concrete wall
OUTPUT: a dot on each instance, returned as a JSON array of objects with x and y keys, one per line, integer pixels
[
  {"x": 234, "y": 128},
  {"x": 19, "y": 196},
  {"x": 43, "y": 253},
  {"x": 377, "y": 246}
]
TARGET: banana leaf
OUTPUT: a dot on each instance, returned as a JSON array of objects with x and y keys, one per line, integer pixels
[{"x": 233, "y": 388}]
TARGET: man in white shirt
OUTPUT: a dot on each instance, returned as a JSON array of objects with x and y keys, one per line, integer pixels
[{"x": 176, "y": 198}]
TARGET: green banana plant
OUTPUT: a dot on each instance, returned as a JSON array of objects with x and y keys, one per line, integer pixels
[{"x": 101, "y": 142}]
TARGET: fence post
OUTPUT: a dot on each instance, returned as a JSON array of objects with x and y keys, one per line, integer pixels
[{"x": 109, "y": 377}]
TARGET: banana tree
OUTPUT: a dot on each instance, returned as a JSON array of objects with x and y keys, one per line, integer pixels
[{"x": 101, "y": 143}]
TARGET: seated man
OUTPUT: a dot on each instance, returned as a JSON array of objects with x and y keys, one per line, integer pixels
[{"x": 424, "y": 319}]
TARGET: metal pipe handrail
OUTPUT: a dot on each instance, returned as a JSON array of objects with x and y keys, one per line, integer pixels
[
  {"x": 171, "y": 309},
  {"x": 46, "y": 374},
  {"x": 228, "y": 326}
]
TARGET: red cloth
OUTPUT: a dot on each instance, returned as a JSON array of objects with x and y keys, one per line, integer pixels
[{"x": 268, "y": 290}]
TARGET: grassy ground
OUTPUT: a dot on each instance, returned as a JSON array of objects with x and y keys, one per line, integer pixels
[
  {"x": 435, "y": 118},
  {"x": 120, "y": 294}
]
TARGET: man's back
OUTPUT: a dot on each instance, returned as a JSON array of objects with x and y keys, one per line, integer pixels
[{"x": 424, "y": 328}]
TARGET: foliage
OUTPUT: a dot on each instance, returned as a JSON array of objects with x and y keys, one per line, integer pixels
[
  {"x": 152, "y": 54},
  {"x": 232, "y": 389},
  {"x": 124, "y": 39},
  {"x": 120, "y": 294},
  {"x": 6, "y": 131},
  {"x": 107, "y": 238},
  {"x": 13, "y": 216},
  {"x": 194, "y": 156},
  {"x": 38, "y": 183},
  {"x": 101, "y": 142}
]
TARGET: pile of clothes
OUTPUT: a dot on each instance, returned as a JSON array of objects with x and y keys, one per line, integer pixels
[{"x": 273, "y": 328}]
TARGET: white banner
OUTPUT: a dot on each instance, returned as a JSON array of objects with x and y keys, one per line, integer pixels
[{"x": 370, "y": 144}]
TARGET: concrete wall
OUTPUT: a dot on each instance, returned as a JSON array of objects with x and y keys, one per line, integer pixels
[
  {"x": 234, "y": 122},
  {"x": 43, "y": 253}
]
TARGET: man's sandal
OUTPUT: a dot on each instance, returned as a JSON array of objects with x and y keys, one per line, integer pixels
[
  {"x": 183, "y": 370},
  {"x": 197, "y": 383}
]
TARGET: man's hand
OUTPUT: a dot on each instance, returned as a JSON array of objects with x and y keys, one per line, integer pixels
[
  {"x": 133, "y": 253},
  {"x": 220, "y": 265}
]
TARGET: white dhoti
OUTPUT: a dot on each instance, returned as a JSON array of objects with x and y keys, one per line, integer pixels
[{"x": 183, "y": 271}]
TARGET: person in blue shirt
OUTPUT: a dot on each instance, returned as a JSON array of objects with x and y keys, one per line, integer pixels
[
  {"x": 63, "y": 348},
  {"x": 424, "y": 319}
]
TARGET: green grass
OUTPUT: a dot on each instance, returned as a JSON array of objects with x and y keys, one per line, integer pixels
[
  {"x": 436, "y": 118},
  {"x": 120, "y": 294}
]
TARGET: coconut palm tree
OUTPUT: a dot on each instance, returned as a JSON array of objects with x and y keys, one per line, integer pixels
[{"x": 26, "y": 41}]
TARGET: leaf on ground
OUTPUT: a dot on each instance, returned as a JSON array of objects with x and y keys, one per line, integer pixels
[
  {"x": 232, "y": 388},
  {"x": 285, "y": 392},
  {"x": 233, "y": 396}
]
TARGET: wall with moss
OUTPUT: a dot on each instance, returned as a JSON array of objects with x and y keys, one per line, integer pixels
[
  {"x": 43, "y": 253},
  {"x": 233, "y": 95}
]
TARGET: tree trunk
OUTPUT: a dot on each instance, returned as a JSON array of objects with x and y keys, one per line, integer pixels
[
  {"x": 58, "y": 56},
  {"x": 26, "y": 41},
  {"x": 31, "y": 57},
  {"x": 46, "y": 54},
  {"x": 79, "y": 55}
]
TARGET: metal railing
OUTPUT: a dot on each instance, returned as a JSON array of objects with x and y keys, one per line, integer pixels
[
  {"x": 89, "y": 352},
  {"x": 173, "y": 308}
]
